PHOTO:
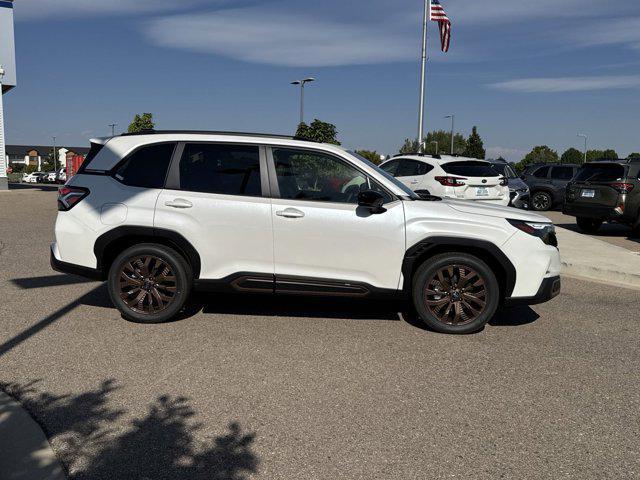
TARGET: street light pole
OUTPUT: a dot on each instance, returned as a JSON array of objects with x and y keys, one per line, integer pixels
[
  {"x": 452, "y": 117},
  {"x": 423, "y": 75},
  {"x": 582, "y": 135},
  {"x": 55, "y": 157},
  {"x": 302, "y": 84},
  {"x": 3, "y": 158},
  {"x": 113, "y": 129}
]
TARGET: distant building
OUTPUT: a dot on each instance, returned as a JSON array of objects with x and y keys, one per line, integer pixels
[{"x": 35, "y": 155}]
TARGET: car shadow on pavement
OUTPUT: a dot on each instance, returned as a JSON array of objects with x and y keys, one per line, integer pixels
[
  {"x": 514, "y": 317},
  {"x": 607, "y": 230},
  {"x": 159, "y": 444},
  {"x": 34, "y": 186}
]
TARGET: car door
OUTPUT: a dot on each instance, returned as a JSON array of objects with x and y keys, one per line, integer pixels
[
  {"x": 412, "y": 174},
  {"x": 323, "y": 241},
  {"x": 217, "y": 197},
  {"x": 560, "y": 177}
]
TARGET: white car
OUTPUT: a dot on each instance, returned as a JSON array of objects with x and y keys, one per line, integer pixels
[
  {"x": 52, "y": 177},
  {"x": 32, "y": 177},
  {"x": 158, "y": 215},
  {"x": 451, "y": 177}
]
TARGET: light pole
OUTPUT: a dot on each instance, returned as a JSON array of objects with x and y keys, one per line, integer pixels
[
  {"x": 302, "y": 83},
  {"x": 55, "y": 157},
  {"x": 582, "y": 135},
  {"x": 453, "y": 119},
  {"x": 423, "y": 74},
  {"x": 113, "y": 129},
  {"x": 436, "y": 142},
  {"x": 3, "y": 158}
]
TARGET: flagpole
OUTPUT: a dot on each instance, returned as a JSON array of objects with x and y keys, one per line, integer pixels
[{"x": 423, "y": 77}]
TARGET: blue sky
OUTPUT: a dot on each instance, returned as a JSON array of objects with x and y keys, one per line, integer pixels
[{"x": 525, "y": 72}]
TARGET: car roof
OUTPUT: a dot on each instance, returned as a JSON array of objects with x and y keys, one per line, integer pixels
[{"x": 437, "y": 159}]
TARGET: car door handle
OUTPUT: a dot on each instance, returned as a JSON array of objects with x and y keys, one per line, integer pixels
[
  {"x": 178, "y": 203},
  {"x": 290, "y": 213},
  {"x": 415, "y": 182}
]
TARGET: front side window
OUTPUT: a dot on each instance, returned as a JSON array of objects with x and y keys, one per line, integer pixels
[
  {"x": 222, "y": 169},
  {"x": 412, "y": 168},
  {"x": 562, "y": 173},
  {"x": 391, "y": 167},
  {"x": 308, "y": 175},
  {"x": 542, "y": 172},
  {"x": 146, "y": 167}
]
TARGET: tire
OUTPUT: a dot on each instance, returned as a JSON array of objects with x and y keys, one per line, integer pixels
[
  {"x": 144, "y": 266},
  {"x": 445, "y": 314},
  {"x": 541, "y": 201},
  {"x": 589, "y": 225}
]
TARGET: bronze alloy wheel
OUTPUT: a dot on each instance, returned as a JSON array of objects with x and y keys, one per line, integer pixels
[
  {"x": 456, "y": 294},
  {"x": 147, "y": 284}
]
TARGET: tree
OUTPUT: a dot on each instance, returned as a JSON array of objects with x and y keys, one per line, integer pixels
[
  {"x": 540, "y": 154},
  {"x": 141, "y": 123},
  {"x": 475, "y": 146},
  {"x": 410, "y": 146},
  {"x": 610, "y": 154},
  {"x": 634, "y": 155},
  {"x": 444, "y": 143},
  {"x": 572, "y": 155},
  {"x": 318, "y": 131},
  {"x": 370, "y": 155}
]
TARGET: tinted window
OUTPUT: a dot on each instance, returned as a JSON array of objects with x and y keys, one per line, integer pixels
[
  {"x": 603, "y": 172},
  {"x": 504, "y": 170},
  {"x": 391, "y": 167},
  {"x": 307, "y": 175},
  {"x": 562, "y": 173},
  {"x": 411, "y": 168},
  {"x": 222, "y": 169},
  {"x": 146, "y": 167},
  {"x": 470, "y": 169},
  {"x": 542, "y": 172},
  {"x": 93, "y": 152}
]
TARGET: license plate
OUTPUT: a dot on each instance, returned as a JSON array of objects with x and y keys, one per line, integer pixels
[
  {"x": 588, "y": 193},
  {"x": 482, "y": 192}
]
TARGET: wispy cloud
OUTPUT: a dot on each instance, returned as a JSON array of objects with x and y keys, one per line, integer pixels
[
  {"x": 44, "y": 9},
  {"x": 262, "y": 36},
  {"x": 608, "y": 32},
  {"x": 568, "y": 84}
]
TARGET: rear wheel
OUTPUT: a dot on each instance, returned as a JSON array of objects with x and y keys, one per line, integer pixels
[
  {"x": 541, "y": 201},
  {"x": 455, "y": 293},
  {"x": 149, "y": 283},
  {"x": 588, "y": 225}
]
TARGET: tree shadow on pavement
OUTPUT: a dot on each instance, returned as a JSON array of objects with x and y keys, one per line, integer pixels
[{"x": 157, "y": 445}]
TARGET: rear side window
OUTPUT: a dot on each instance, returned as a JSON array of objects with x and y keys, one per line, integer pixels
[
  {"x": 562, "y": 173},
  {"x": 221, "y": 169},
  {"x": 470, "y": 169},
  {"x": 146, "y": 167},
  {"x": 93, "y": 153},
  {"x": 602, "y": 172},
  {"x": 412, "y": 168},
  {"x": 542, "y": 172}
]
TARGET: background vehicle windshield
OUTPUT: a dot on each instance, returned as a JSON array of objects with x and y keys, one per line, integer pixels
[
  {"x": 601, "y": 172},
  {"x": 504, "y": 170},
  {"x": 470, "y": 169},
  {"x": 391, "y": 178}
]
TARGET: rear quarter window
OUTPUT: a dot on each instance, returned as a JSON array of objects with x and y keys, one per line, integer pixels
[
  {"x": 604, "y": 172},
  {"x": 146, "y": 167},
  {"x": 470, "y": 169}
]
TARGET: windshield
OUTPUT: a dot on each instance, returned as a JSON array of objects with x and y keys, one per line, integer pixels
[
  {"x": 386, "y": 175},
  {"x": 504, "y": 170},
  {"x": 601, "y": 172},
  {"x": 470, "y": 169}
]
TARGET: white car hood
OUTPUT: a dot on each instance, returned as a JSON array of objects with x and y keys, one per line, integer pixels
[{"x": 479, "y": 208}]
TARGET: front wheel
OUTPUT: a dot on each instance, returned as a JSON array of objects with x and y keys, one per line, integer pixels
[
  {"x": 455, "y": 293},
  {"x": 589, "y": 225},
  {"x": 541, "y": 201},
  {"x": 149, "y": 283}
]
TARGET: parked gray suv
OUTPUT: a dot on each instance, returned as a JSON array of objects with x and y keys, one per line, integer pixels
[{"x": 548, "y": 183}]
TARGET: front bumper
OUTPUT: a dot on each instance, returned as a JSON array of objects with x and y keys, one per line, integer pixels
[
  {"x": 73, "y": 269},
  {"x": 520, "y": 199},
  {"x": 549, "y": 289}
]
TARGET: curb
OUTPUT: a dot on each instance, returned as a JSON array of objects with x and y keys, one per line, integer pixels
[{"x": 599, "y": 275}]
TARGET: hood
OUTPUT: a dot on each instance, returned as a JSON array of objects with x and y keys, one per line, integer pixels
[{"x": 489, "y": 210}]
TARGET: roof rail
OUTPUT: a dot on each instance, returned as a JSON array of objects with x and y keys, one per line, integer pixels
[{"x": 207, "y": 132}]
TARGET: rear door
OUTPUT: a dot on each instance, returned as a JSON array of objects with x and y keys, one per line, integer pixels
[
  {"x": 593, "y": 184},
  {"x": 560, "y": 177},
  {"x": 481, "y": 181}
]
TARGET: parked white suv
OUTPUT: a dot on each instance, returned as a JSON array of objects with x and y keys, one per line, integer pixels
[
  {"x": 160, "y": 214},
  {"x": 452, "y": 177}
]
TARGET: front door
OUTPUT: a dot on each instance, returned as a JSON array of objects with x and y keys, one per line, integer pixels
[
  {"x": 217, "y": 198},
  {"x": 320, "y": 233}
]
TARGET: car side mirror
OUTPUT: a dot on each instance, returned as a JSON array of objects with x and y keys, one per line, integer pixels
[{"x": 372, "y": 200}]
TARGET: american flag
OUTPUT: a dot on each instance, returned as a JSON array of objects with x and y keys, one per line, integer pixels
[{"x": 438, "y": 15}]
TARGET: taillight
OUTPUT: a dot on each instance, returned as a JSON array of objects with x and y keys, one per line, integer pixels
[
  {"x": 622, "y": 187},
  {"x": 451, "y": 181},
  {"x": 69, "y": 197}
]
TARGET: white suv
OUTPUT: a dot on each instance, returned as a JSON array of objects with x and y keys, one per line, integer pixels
[
  {"x": 159, "y": 214},
  {"x": 451, "y": 177}
]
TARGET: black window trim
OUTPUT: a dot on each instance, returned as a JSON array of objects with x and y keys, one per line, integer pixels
[
  {"x": 173, "y": 178},
  {"x": 114, "y": 170},
  {"x": 273, "y": 179}
]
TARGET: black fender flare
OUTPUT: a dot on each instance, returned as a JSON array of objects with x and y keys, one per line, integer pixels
[{"x": 431, "y": 246}]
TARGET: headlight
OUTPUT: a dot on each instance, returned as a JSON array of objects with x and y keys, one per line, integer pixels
[{"x": 544, "y": 231}]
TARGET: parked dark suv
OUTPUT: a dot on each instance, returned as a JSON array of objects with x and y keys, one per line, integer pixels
[
  {"x": 605, "y": 191},
  {"x": 547, "y": 183}
]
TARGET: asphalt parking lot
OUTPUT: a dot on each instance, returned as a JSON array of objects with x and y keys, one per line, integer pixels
[{"x": 314, "y": 389}]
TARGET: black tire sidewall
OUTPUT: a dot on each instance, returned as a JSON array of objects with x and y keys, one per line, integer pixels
[
  {"x": 182, "y": 272},
  {"x": 426, "y": 271},
  {"x": 546, "y": 194}
]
